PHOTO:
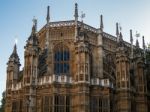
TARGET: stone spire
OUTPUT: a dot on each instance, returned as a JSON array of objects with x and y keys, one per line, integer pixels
[
  {"x": 120, "y": 40},
  {"x": 117, "y": 32},
  {"x": 138, "y": 51},
  {"x": 131, "y": 40},
  {"x": 101, "y": 23},
  {"x": 76, "y": 21},
  {"x": 144, "y": 52},
  {"x": 131, "y": 37},
  {"x": 48, "y": 14},
  {"x": 76, "y": 12},
  {"x": 14, "y": 53},
  {"x": 14, "y": 56},
  {"x": 33, "y": 40},
  {"x": 47, "y": 28},
  {"x": 143, "y": 42},
  {"x": 15, "y": 49},
  {"x": 137, "y": 43},
  {"x": 35, "y": 24},
  {"x": 120, "y": 37},
  {"x": 34, "y": 27}
]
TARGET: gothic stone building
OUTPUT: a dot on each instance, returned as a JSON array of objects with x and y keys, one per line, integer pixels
[{"x": 70, "y": 66}]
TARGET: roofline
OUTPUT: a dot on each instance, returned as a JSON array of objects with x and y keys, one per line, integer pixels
[
  {"x": 86, "y": 26},
  {"x": 68, "y": 23}
]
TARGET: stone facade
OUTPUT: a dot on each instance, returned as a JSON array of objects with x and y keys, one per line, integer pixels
[{"x": 70, "y": 66}]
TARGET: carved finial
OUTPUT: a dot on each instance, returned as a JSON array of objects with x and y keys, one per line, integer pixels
[
  {"x": 33, "y": 40},
  {"x": 131, "y": 40},
  {"x": 15, "y": 49},
  {"x": 47, "y": 32},
  {"x": 120, "y": 37},
  {"x": 101, "y": 23},
  {"x": 48, "y": 15},
  {"x": 137, "y": 42},
  {"x": 34, "y": 24},
  {"x": 14, "y": 53},
  {"x": 117, "y": 30},
  {"x": 144, "y": 49},
  {"x": 143, "y": 42},
  {"x": 131, "y": 37},
  {"x": 76, "y": 12},
  {"x": 120, "y": 41},
  {"x": 76, "y": 21}
]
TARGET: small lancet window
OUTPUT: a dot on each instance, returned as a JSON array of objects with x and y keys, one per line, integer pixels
[{"x": 61, "y": 60}]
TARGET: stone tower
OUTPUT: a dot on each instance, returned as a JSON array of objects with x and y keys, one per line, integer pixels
[
  {"x": 140, "y": 82},
  {"x": 122, "y": 77},
  {"x": 30, "y": 70},
  {"x": 83, "y": 70},
  {"x": 13, "y": 66}
]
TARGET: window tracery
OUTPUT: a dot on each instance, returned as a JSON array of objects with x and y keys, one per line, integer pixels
[{"x": 61, "y": 60}]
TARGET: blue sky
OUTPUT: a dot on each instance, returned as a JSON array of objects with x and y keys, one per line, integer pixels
[{"x": 16, "y": 20}]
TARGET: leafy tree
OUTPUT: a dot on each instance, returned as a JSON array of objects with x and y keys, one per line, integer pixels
[{"x": 2, "y": 102}]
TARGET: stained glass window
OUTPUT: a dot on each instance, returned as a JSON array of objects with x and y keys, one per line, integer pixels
[{"x": 61, "y": 60}]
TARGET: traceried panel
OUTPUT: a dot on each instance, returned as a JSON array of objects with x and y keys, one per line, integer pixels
[
  {"x": 109, "y": 45},
  {"x": 60, "y": 34},
  {"x": 56, "y": 34},
  {"x": 92, "y": 38}
]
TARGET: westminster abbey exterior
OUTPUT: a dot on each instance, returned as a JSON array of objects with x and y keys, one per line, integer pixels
[{"x": 70, "y": 66}]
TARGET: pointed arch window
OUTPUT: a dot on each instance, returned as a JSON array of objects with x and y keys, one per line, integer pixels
[
  {"x": 14, "y": 106},
  {"x": 61, "y": 60}
]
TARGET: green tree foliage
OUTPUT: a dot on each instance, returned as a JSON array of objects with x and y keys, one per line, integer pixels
[{"x": 2, "y": 102}]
